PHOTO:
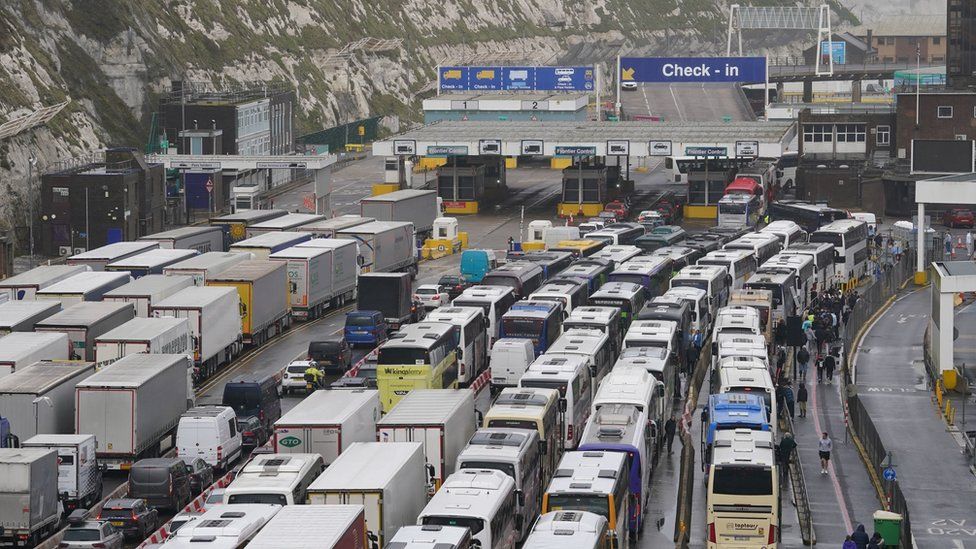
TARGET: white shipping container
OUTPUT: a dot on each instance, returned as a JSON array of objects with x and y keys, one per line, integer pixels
[
  {"x": 21, "y": 316},
  {"x": 314, "y": 527},
  {"x": 327, "y": 228},
  {"x": 54, "y": 383},
  {"x": 147, "y": 290},
  {"x": 287, "y": 222},
  {"x": 163, "y": 335},
  {"x": 206, "y": 264},
  {"x": 83, "y": 322},
  {"x": 98, "y": 258},
  {"x": 21, "y": 349},
  {"x": 327, "y": 422},
  {"x": 214, "y": 315},
  {"x": 266, "y": 244},
  {"x": 25, "y": 285},
  {"x": 202, "y": 239},
  {"x": 151, "y": 262},
  {"x": 387, "y": 480},
  {"x": 442, "y": 419}
]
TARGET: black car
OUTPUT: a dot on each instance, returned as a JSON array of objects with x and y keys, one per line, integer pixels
[
  {"x": 253, "y": 433},
  {"x": 132, "y": 516},
  {"x": 332, "y": 354},
  {"x": 201, "y": 474},
  {"x": 454, "y": 284},
  {"x": 365, "y": 377}
]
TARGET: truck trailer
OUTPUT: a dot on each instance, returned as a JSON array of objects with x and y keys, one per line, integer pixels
[
  {"x": 161, "y": 335},
  {"x": 215, "y": 324},
  {"x": 151, "y": 262},
  {"x": 319, "y": 526},
  {"x": 25, "y": 285},
  {"x": 287, "y": 222},
  {"x": 40, "y": 398},
  {"x": 132, "y": 405},
  {"x": 21, "y": 349},
  {"x": 319, "y": 277},
  {"x": 442, "y": 419},
  {"x": 412, "y": 205},
  {"x": 79, "y": 477},
  {"x": 234, "y": 226},
  {"x": 263, "y": 245},
  {"x": 384, "y": 246},
  {"x": 146, "y": 291},
  {"x": 390, "y": 294},
  {"x": 84, "y": 322},
  {"x": 88, "y": 286},
  {"x": 202, "y": 239},
  {"x": 29, "y": 510},
  {"x": 327, "y": 422},
  {"x": 387, "y": 479},
  {"x": 206, "y": 264},
  {"x": 21, "y": 316},
  {"x": 98, "y": 258},
  {"x": 327, "y": 228},
  {"x": 263, "y": 289}
]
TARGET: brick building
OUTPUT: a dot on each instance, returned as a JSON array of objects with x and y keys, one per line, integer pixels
[{"x": 895, "y": 38}]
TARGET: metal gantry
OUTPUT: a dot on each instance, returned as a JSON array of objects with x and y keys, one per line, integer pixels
[{"x": 782, "y": 18}]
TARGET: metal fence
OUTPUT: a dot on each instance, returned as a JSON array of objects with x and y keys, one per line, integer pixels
[
  {"x": 798, "y": 484},
  {"x": 686, "y": 476},
  {"x": 889, "y": 278}
]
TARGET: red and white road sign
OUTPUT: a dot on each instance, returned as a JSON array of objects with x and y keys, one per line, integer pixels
[
  {"x": 308, "y": 200},
  {"x": 209, "y": 185}
]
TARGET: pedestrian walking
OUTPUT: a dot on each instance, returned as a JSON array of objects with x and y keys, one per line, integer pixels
[
  {"x": 783, "y": 454},
  {"x": 860, "y": 537},
  {"x": 829, "y": 364},
  {"x": 669, "y": 428},
  {"x": 780, "y": 333},
  {"x": 801, "y": 399},
  {"x": 802, "y": 361},
  {"x": 876, "y": 542},
  {"x": 790, "y": 399},
  {"x": 811, "y": 339},
  {"x": 820, "y": 369},
  {"x": 849, "y": 543},
  {"x": 947, "y": 239},
  {"x": 824, "y": 447},
  {"x": 969, "y": 244}
]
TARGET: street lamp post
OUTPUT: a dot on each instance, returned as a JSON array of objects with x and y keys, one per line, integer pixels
[{"x": 31, "y": 162}]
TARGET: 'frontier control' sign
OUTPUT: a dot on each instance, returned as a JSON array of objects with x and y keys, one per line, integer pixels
[{"x": 693, "y": 69}]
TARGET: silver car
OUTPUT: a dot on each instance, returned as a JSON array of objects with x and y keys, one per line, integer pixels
[{"x": 89, "y": 534}]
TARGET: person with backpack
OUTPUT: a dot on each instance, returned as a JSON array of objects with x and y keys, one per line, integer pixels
[
  {"x": 802, "y": 359},
  {"x": 801, "y": 399},
  {"x": 829, "y": 364}
]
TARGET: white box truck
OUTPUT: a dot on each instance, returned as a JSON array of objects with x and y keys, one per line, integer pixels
[
  {"x": 204, "y": 265},
  {"x": 384, "y": 246},
  {"x": 412, "y": 205},
  {"x": 21, "y": 349},
  {"x": 132, "y": 405},
  {"x": 387, "y": 479},
  {"x": 345, "y": 265},
  {"x": 21, "y": 316},
  {"x": 150, "y": 262},
  {"x": 79, "y": 477},
  {"x": 442, "y": 419},
  {"x": 327, "y": 422},
  {"x": 162, "y": 335},
  {"x": 29, "y": 510},
  {"x": 88, "y": 286},
  {"x": 202, "y": 239},
  {"x": 98, "y": 258},
  {"x": 25, "y": 285},
  {"x": 83, "y": 322},
  {"x": 266, "y": 244},
  {"x": 215, "y": 324},
  {"x": 147, "y": 290},
  {"x": 40, "y": 398},
  {"x": 288, "y": 222},
  {"x": 327, "y": 228},
  {"x": 318, "y": 526}
]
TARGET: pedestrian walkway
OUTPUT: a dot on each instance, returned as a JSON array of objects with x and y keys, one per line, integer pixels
[{"x": 932, "y": 471}]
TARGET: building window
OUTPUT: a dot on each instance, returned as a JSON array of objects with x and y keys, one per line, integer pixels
[
  {"x": 817, "y": 133},
  {"x": 884, "y": 135},
  {"x": 850, "y": 133},
  {"x": 936, "y": 39},
  {"x": 961, "y": 137},
  {"x": 945, "y": 112}
]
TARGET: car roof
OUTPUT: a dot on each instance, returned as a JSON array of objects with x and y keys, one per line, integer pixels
[{"x": 121, "y": 502}]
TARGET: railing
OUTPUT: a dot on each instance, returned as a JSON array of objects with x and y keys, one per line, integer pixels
[
  {"x": 798, "y": 484},
  {"x": 686, "y": 477}
]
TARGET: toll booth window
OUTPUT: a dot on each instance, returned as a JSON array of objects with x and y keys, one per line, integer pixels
[
  {"x": 591, "y": 190},
  {"x": 445, "y": 187},
  {"x": 571, "y": 191},
  {"x": 466, "y": 188},
  {"x": 702, "y": 192}
]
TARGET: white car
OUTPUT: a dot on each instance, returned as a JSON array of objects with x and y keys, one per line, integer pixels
[
  {"x": 294, "y": 378},
  {"x": 431, "y": 296},
  {"x": 651, "y": 216},
  {"x": 628, "y": 85}
]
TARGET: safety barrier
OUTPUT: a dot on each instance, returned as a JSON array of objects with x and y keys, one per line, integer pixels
[
  {"x": 195, "y": 506},
  {"x": 686, "y": 476},
  {"x": 798, "y": 483}
]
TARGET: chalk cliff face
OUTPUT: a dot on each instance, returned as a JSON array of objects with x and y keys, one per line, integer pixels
[{"x": 111, "y": 59}]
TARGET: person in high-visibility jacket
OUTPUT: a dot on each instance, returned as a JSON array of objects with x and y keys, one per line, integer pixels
[{"x": 314, "y": 376}]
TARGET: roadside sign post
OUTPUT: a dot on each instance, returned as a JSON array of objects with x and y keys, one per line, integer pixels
[{"x": 209, "y": 186}]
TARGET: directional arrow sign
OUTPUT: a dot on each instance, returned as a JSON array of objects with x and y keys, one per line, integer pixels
[{"x": 693, "y": 69}]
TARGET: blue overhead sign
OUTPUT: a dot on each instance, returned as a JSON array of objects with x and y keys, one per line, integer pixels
[
  {"x": 706, "y": 151},
  {"x": 692, "y": 69},
  {"x": 579, "y": 79},
  {"x": 836, "y": 48}
]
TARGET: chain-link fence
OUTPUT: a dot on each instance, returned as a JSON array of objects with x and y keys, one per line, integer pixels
[{"x": 889, "y": 278}]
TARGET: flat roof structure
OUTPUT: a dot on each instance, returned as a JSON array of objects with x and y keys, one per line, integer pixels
[{"x": 589, "y": 138}]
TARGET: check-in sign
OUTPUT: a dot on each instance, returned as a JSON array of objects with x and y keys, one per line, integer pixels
[{"x": 692, "y": 69}]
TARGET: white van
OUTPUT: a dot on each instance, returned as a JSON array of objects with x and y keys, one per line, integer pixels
[
  {"x": 570, "y": 375},
  {"x": 209, "y": 433},
  {"x": 869, "y": 218},
  {"x": 510, "y": 358}
]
